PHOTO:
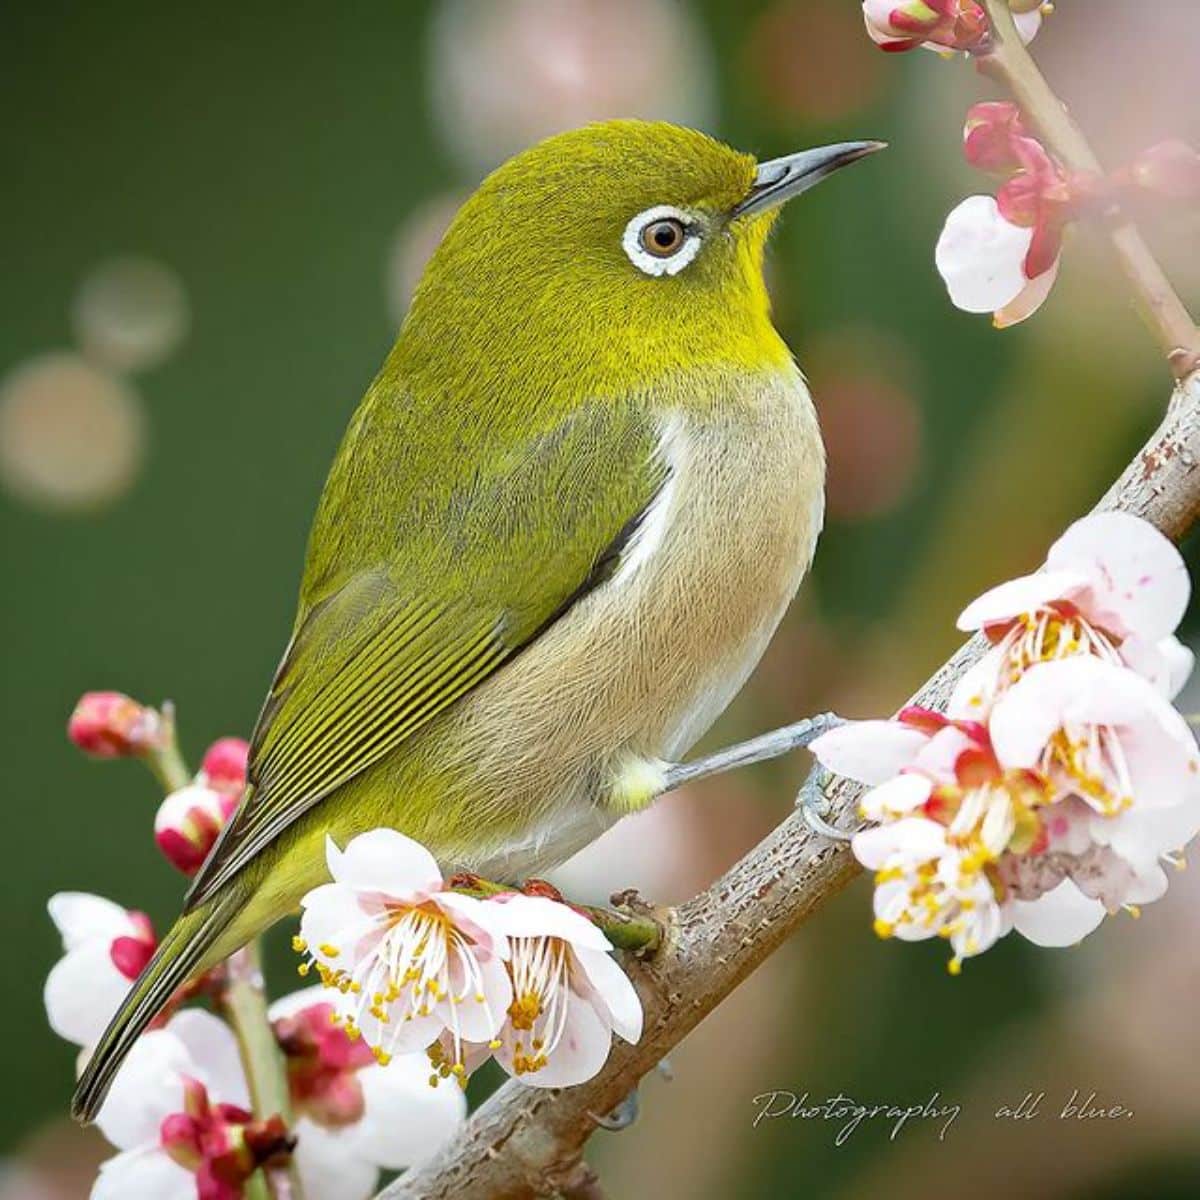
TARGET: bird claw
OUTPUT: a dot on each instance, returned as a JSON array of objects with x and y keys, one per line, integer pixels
[
  {"x": 814, "y": 807},
  {"x": 622, "y": 1116}
]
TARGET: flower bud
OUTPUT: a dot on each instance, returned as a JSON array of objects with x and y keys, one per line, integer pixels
[
  {"x": 989, "y": 134},
  {"x": 224, "y": 764},
  {"x": 111, "y": 725},
  {"x": 949, "y": 24},
  {"x": 1169, "y": 169},
  {"x": 188, "y": 822}
]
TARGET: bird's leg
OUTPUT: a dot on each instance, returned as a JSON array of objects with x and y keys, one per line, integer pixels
[{"x": 759, "y": 749}]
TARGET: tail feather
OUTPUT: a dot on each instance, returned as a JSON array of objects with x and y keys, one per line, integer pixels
[{"x": 179, "y": 956}]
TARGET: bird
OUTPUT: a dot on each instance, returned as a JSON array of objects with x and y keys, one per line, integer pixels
[{"x": 560, "y": 530}]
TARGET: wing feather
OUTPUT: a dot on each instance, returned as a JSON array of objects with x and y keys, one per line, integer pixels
[{"x": 381, "y": 647}]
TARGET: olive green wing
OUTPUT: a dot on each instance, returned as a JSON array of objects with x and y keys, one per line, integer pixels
[{"x": 476, "y": 566}]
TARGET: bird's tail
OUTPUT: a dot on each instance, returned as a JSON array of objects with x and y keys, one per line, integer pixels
[{"x": 182, "y": 953}]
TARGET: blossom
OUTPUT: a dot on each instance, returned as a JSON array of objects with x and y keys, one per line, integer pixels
[
  {"x": 407, "y": 957},
  {"x": 111, "y": 725},
  {"x": 106, "y": 946},
  {"x": 569, "y": 994},
  {"x": 942, "y": 25},
  {"x": 1113, "y": 588},
  {"x": 1104, "y": 734},
  {"x": 983, "y": 257},
  {"x": 189, "y": 821},
  {"x": 903, "y": 25},
  {"x": 355, "y": 1116},
  {"x": 178, "y": 1114},
  {"x": 1056, "y": 812}
]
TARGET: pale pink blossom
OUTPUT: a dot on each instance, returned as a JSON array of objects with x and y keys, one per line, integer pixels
[
  {"x": 569, "y": 994},
  {"x": 983, "y": 259},
  {"x": 1113, "y": 587},
  {"x": 105, "y": 947},
  {"x": 406, "y": 958},
  {"x": 354, "y": 1116},
  {"x": 178, "y": 1104}
]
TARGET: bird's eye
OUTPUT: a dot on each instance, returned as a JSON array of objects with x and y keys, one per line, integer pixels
[{"x": 662, "y": 240}]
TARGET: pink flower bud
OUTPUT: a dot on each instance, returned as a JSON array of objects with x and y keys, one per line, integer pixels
[
  {"x": 111, "y": 725},
  {"x": 179, "y": 1135},
  {"x": 1170, "y": 169},
  {"x": 188, "y": 822},
  {"x": 224, "y": 764},
  {"x": 132, "y": 951},
  {"x": 989, "y": 134},
  {"x": 949, "y": 24}
]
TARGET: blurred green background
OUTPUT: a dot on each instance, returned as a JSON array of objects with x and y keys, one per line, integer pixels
[{"x": 211, "y": 216}]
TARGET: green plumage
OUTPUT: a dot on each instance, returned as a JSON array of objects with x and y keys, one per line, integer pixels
[{"x": 455, "y": 667}]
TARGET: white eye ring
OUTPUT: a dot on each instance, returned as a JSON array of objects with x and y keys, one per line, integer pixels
[{"x": 653, "y": 264}]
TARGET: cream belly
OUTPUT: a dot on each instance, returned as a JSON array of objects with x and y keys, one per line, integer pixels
[{"x": 639, "y": 669}]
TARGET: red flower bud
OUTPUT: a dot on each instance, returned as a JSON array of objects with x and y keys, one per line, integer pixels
[
  {"x": 111, "y": 725},
  {"x": 224, "y": 764},
  {"x": 189, "y": 821},
  {"x": 988, "y": 136}
]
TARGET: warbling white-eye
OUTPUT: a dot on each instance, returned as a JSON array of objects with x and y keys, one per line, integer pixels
[{"x": 562, "y": 526}]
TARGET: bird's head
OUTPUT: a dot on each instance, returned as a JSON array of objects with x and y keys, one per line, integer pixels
[{"x": 614, "y": 252}]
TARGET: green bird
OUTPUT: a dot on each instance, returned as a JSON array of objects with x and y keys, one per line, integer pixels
[{"x": 563, "y": 524}]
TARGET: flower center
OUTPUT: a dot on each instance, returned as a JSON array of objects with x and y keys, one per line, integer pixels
[
  {"x": 419, "y": 960},
  {"x": 1048, "y": 634},
  {"x": 1094, "y": 765},
  {"x": 541, "y": 972}
]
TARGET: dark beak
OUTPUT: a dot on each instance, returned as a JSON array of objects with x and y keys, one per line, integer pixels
[{"x": 782, "y": 178}]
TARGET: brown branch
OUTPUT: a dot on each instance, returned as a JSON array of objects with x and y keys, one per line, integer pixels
[
  {"x": 527, "y": 1142},
  {"x": 1011, "y": 63}
]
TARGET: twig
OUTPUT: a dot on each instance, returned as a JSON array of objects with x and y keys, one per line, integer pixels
[
  {"x": 524, "y": 1140},
  {"x": 1009, "y": 61},
  {"x": 240, "y": 997}
]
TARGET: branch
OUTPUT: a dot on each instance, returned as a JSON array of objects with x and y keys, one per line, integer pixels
[
  {"x": 527, "y": 1142},
  {"x": 1009, "y": 61}
]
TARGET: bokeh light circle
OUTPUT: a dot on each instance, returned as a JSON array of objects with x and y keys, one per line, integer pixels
[
  {"x": 507, "y": 73},
  {"x": 130, "y": 313},
  {"x": 72, "y": 435}
]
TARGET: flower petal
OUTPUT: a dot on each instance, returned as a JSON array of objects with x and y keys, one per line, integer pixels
[
  {"x": 614, "y": 990},
  {"x": 1139, "y": 580},
  {"x": 1061, "y": 917},
  {"x": 333, "y": 916},
  {"x": 147, "y": 1088},
  {"x": 914, "y": 839},
  {"x": 296, "y": 1002},
  {"x": 147, "y": 1173},
  {"x": 1026, "y": 594},
  {"x": 387, "y": 862},
  {"x": 539, "y": 916},
  {"x": 214, "y": 1050},
  {"x": 81, "y": 917},
  {"x": 869, "y": 751},
  {"x": 331, "y": 1165},
  {"x": 580, "y": 1053},
  {"x": 83, "y": 991},
  {"x": 981, "y": 256},
  {"x": 405, "y": 1120},
  {"x": 896, "y": 797},
  {"x": 1028, "y": 300}
]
